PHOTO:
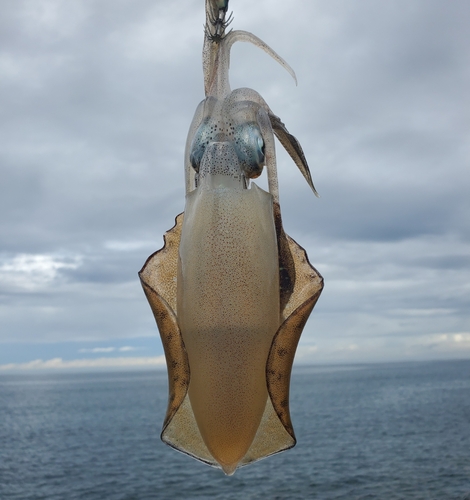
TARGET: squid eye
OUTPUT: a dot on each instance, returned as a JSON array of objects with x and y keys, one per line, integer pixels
[
  {"x": 205, "y": 134},
  {"x": 249, "y": 145}
]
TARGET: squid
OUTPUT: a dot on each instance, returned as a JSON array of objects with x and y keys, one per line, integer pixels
[{"x": 230, "y": 291}]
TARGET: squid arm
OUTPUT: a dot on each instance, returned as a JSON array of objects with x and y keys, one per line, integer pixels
[
  {"x": 230, "y": 291},
  {"x": 290, "y": 143}
]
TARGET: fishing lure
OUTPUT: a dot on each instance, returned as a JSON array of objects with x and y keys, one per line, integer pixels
[{"x": 230, "y": 291}]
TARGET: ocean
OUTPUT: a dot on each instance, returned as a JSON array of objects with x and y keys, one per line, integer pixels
[{"x": 384, "y": 431}]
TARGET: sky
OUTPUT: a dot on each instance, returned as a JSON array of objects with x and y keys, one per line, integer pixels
[{"x": 96, "y": 98}]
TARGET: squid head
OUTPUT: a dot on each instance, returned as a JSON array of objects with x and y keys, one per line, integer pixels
[{"x": 230, "y": 291}]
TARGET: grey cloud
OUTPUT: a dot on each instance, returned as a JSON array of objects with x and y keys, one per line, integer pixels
[{"x": 96, "y": 101}]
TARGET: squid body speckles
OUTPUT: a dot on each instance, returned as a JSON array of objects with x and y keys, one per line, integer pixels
[{"x": 230, "y": 291}]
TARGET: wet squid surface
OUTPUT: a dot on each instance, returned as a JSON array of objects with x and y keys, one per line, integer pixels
[{"x": 230, "y": 291}]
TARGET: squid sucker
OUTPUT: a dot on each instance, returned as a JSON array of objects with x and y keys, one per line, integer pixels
[{"x": 230, "y": 291}]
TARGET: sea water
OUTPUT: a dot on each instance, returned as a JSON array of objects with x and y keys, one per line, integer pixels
[{"x": 388, "y": 431}]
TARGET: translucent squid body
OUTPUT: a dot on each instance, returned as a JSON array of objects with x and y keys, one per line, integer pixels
[{"x": 230, "y": 291}]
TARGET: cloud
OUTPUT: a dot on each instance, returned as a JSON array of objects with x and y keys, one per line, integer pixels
[
  {"x": 99, "y": 363},
  {"x": 436, "y": 346},
  {"x": 443, "y": 342},
  {"x": 98, "y": 349},
  {"x": 96, "y": 108},
  {"x": 34, "y": 272},
  {"x": 94, "y": 350},
  {"x": 128, "y": 348}
]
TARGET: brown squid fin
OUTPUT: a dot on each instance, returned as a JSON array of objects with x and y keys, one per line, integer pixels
[
  {"x": 159, "y": 284},
  {"x": 308, "y": 287}
]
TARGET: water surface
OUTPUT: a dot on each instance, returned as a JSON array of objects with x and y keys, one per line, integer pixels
[{"x": 389, "y": 431}]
